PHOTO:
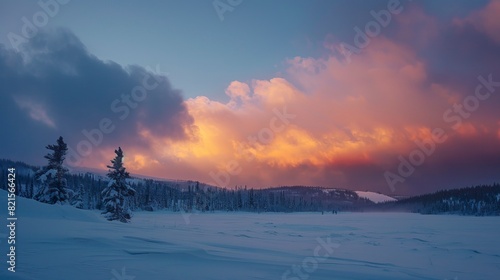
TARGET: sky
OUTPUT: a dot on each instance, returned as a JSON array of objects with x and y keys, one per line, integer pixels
[{"x": 398, "y": 97}]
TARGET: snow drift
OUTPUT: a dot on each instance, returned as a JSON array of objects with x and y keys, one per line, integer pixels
[{"x": 60, "y": 242}]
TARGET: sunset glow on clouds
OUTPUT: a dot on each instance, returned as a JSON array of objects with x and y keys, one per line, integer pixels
[
  {"x": 359, "y": 114},
  {"x": 328, "y": 120}
]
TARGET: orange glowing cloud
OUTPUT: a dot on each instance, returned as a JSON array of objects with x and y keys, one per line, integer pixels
[
  {"x": 344, "y": 112},
  {"x": 323, "y": 121},
  {"x": 361, "y": 112}
]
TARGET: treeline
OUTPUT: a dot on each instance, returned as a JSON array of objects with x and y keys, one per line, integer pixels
[
  {"x": 482, "y": 200},
  {"x": 85, "y": 191}
]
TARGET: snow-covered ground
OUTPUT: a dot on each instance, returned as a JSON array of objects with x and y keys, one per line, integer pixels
[
  {"x": 375, "y": 197},
  {"x": 60, "y": 242}
]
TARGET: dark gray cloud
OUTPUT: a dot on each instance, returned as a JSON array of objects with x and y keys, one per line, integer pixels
[{"x": 54, "y": 86}]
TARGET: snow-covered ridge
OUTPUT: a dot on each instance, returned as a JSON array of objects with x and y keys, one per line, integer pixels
[{"x": 375, "y": 197}]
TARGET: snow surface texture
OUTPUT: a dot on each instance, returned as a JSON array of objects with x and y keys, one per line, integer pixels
[
  {"x": 375, "y": 197},
  {"x": 60, "y": 242}
]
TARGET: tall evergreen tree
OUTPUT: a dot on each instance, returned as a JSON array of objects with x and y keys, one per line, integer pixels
[
  {"x": 113, "y": 196},
  {"x": 75, "y": 197},
  {"x": 53, "y": 175}
]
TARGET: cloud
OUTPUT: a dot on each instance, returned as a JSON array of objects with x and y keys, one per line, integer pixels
[
  {"x": 36, "y": 111},
  {"x": 485, "y": 20},
  {"x": 238, "y": 92},
  {"x": 57, "y": 82},
  {"x": 353, "y": 120}
]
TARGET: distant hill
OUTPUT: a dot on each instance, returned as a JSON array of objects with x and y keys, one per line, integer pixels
[{"x": 479, "y": 200}]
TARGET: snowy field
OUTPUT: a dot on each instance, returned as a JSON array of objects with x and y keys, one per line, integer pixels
[{"x": 60, "y": 242}]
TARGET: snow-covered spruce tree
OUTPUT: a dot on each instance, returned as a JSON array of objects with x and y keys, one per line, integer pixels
[
  {"x": 75, "y": 197},
  {"x": 113, "y": 196},
  {"x": 52, "y": 176}
]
